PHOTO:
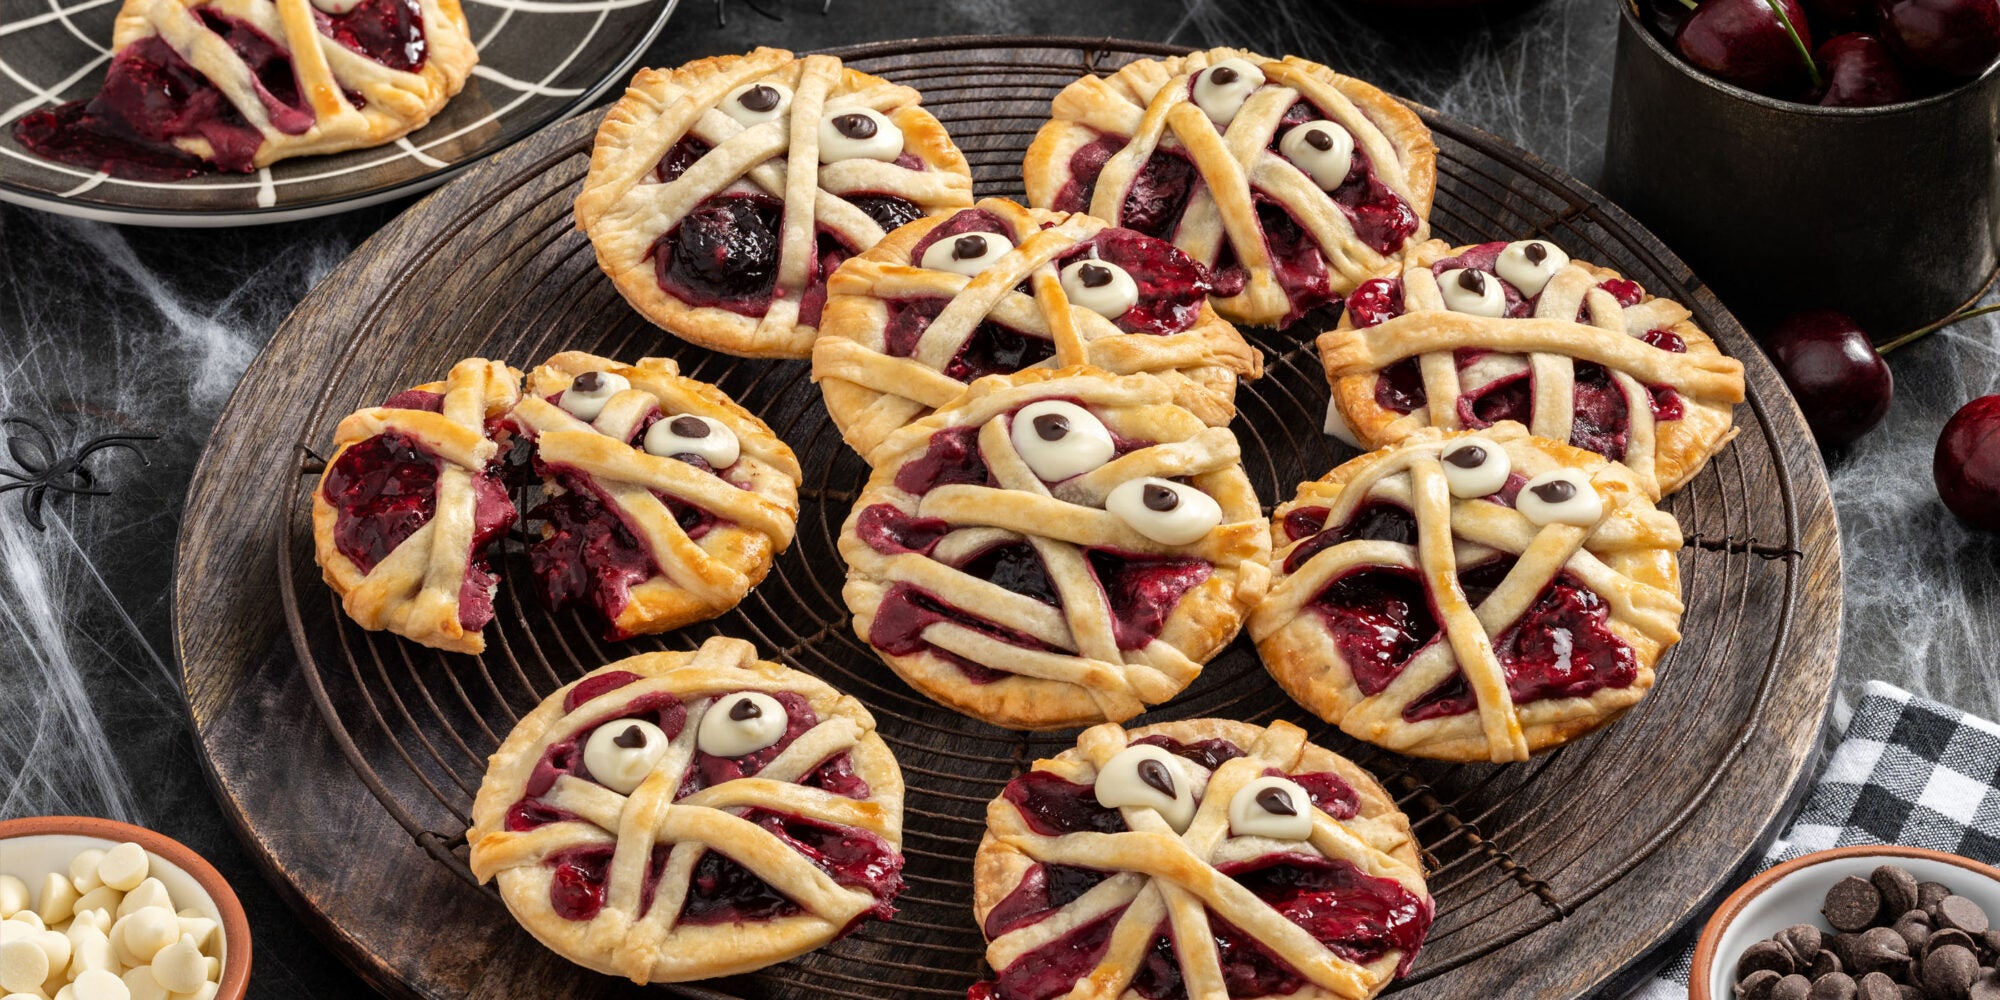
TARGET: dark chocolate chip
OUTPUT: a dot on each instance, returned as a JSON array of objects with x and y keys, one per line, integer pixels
[
  {"x": 1051, "y": 426},
  {"x": 631, "y": 738},
  {"x": 1154, "y": 773},
  {"x": 587, "y": 382},
  {"x": 1802, "y": 940},
  {"x": 1469, "y": 456},
  {"x": 1963, "y": 914},
  {"x": 1757, "y": 985},
  {"x": 855, "y": 126},
  {"x": 1765, "y": 955},
  {"x": 1472, "y": 281},
  {"x": 1876, "y": 986},
  {"x": 1948, "y": 937},
  {"x": 1535, "y": 252},
  {"x": 1824, "y": 963},
  {"x": 1987, "y": 986},
  {"x": 1915, "y": 927},
  {"x": 1908, "y": 992},
  {"x": 744, "y": 710},
  {"x": 1897, "y": 886},
  {"x": 1160, "y": 498},
  {"x": 759, "y": 98},
  {"x": 1852, "y": 904},
  {"x": 971, "y": 246},
  {"x": 1846, "y": 944},
  {"x": 1792, "y": 988},
  {"x": 1223, "y": 75},
  {"x": 1949, "y": 973},
  {"x": 1318, "y": 139},
  {"x": 1556, "y": 491},
  {"x": 1833, "y": 986},
  {"x": 1880, "y": 950},
  {"x": 1094, "y": 275},
  {"x": 1928, "y": 894},
  {"x": 689, "y": 427},
  {"x": 1277, "y": 800},
  {"x": 1992, "y": 941}
]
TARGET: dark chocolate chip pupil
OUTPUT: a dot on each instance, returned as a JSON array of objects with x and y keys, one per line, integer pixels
[
  {"x": 1472, "y": 281},
  {"x": 1222, "y": 74},
  {"x": 1535, "y": 252},
  {"x": 968, "y": 247},
  {"x": 759, "y": 98},
  {"x": 588, "y": 382},
  {"x": 1470, "y": 456},
  {"x": 744, "y": 710},
  {"x": 1154, "y": 773},
  {"x": 689, "y": 427},
  {"x": 1277, "y": 800},
  {"x": 1556, "y": 492},
  {"x": 1318, "y": 139},
  {"x": 1160, "y": 498},
  {"x": 855, "y": 126},
  {"x": 1094, "y": 275},
  {"x": 633, "y": 737},
  {"x": 1051, "y": 426}
]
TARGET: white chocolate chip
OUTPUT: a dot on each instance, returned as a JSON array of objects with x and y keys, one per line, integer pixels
[
  {"x": 1519, "y": 266},
  {"x": 180, "y": 967},
  {"x": 768, "y": 104},
  {"x": 23, "y": 966},
  {"x": 966, "y": 253},
  {"x": 1100, "y": 286},
  {"x": 1475, "y": 467},
  {"x": 13, "y": 896},
  {"x": 1221, "y": 89},
  {"x": 1165, "y": 511},
  {"x": 1323, "y": 150},
  {"x": 1059, "y": 439},
  {"x": 57, "y": 900},
  {"x": 706, "y": 438},
  {"x": 615, "y": 765},
  {"x": 100, "y": 984},
  {"x": 1147, "y": 777},
  {"x": 57, "y": 946},
  {"x": 202, "y": 928},
  {"x": 207, "y": 992},
  {"x": 1472, "y": 292},
  {"x": 145, "y": 931},
  {"x": 588, "y": 392},
  {"x": 83, "y": 870},
  {"x": 741, "y": 723},
  {"x": 90, "y": 949},
  {"x": 858, "y": 133},
  {"x": 1563, "y": 496},
  {"x": 124, "y": 867},
  {"x": 214, "y": 966},
  {"x": 143, "y": 986},
  {"x": 24, "y": 996},
  {"x": 148, "y": 893},
  {"x": 24, "y": 922},
  {"x": 1273, "y": 807},
  {"x": 101, "y": 898},
  {"x": 96, "y": 915}
]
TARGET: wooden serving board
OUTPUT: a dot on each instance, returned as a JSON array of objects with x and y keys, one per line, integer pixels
[{"x": 348, "y": 760}]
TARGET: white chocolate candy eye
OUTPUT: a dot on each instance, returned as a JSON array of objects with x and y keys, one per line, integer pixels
[
  {"x": 1163, "y": 510},
  {"x": 1147, "y": 777},
  {"x": 703, "y": 437},
  {"x": 1323, "y": 150},
  {"x": 1529, "y": 264},
  {"x": 967, "y": 254},
  {"x": 336, "y": 7},
  {"x": 1221, "y": 89},
  {"x": 1100, "y": 286},
  {"x": 1060, "y": 439},
  {"x": 757, "y": 103},
  {"x": 1273, "y": 807},
  {"x": 1564, "y": 496},
  {"x": 1475, "y": 467},
  {"x": 1473, "y": 292},
  {"x": 622, "y": 752},
  {"x": 860, "y": 133},
  {"x": 741, "y": 723},
  {"x": 585, "y": 397}
]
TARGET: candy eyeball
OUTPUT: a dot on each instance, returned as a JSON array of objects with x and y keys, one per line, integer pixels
[
  {"x": 1221, "y": 89},
  {"x": 705, "y": 438},
  {"x": 1272, "y": 807},
  {"x": 967, "y": 253},
  {"x": 1060, "y": 439},
  {"x": 858, "y": 133},
  {"x": 1100, "y": 286},
  {"x": 741, "y": 723},
  {"x": 1472, "y": 292},
  {"x": 1147, "y": 777},
  {"x": 757, "y": 103},
  {"x": 1323, "y": 150},
  {"x": 622, "y": 752},
  {"x": 1529, "y": 264},
  {"x": 1165, "y": 511},
  {"x": 1474, "y": 467},
  {"x": 587, "y": 394},
  {"x": 1563, "y": 496}
]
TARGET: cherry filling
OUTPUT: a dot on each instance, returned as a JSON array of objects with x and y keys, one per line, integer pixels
[
  {"x": 708, "y": 770},
  {"x": 1356, "y": 915},
  {"x": 577, "y": 892},
  {"x": 1143, "y": 592},
  {"x": 889, "y": 531},
  {"x": 888, "y": 211},
  {"x": 1054, "y": 805},
  {"x": 851, "y": 856},
  {"x": 1374, "y": 301},
  {"x": 683, "y": 155},
  {"x": 1159, "y": 974},
  {"x": 905, "y": 611},
  {"x": 270, "y": 68},
  {"x": 1380, "y": 216},
  {"x": 992, "y": 349},
  {"x": 1016, "y": 567},
  {"x": 150, "y": 97},
  {"x": 1210, "y": 754},
  {"x": 1378, "y": 619},
  {"x": 724, "y": 254},
  {"x": 953, "y": 457},
  {"x": 1296, "y": 260},
  {"x": 721, "y": 891},
  {"x": 391, "y": 32},
  {"x": 1156, "y": 199},
  {"x": 383, "y": 490},
  {"x": 828, "y": 253},
  {"x": 1054, "y": 969},
  {"x": 1172, "y": 285},
  {"x": 1400, "y": 387},
  {"x": 1601, "y": 422},
  {"x": 1329, "y": 792},
  {"x": 1376, "y": 520},
  {"x": 1045, "y": 889}
]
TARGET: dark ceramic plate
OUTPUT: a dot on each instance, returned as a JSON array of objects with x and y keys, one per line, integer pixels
[{"x": 539, "y": 61}]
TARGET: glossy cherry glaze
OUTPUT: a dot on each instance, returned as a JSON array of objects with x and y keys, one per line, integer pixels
[
  {"x": 1172, "y": 285},
  {"x": 724, "y": 254},
  {"x": 1356, "y": 915},
  {"x": 390, "y": 32}
]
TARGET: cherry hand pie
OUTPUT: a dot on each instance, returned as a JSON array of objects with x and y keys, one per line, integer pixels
[
  {"x": 242, "y": 84},
  {"x": 677, "y": 816},
  {"x": 998, "y": 288},
  {"x": 1291, "y": 182},
  {"x": 1197, "y": 860},
  {"x": 666, "y": 500},
  {"x": 1470, "y": 596},
  {"x": 411, "y": 500},
  {"x": 1519, "y": 331},
  {"x": 1055, "y": 548},
  {"x": 723, "y": 194}
]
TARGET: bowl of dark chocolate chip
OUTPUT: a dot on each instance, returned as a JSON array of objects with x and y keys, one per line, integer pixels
[{"x": 1856, "y": 923}]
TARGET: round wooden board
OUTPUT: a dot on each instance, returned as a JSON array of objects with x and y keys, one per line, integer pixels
[{"x": 348, "y": 759}]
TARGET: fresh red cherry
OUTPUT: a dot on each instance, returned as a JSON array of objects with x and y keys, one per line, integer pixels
[
  {"x": 1967, "y": 463},
  {"x": 1743, "y": 42},
  {"x": 1958, "y": 38},
  {"x": 1843, "y": 386},
  {"x": 1859, "y": 72}
]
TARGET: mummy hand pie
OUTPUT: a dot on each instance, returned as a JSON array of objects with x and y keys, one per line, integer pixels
[
  {"x": 722, "y": 194},
  {"x": 1470, "y": 596},
  {"x": 1464, "y": 338},
  {"x": 678, "y": 816},
  {"x": 1291, "y": 182},
  {"x": 1055, "y": 548},
  {"x": 409, "y": 503},
  {"x": 1203, "y": 858},
  {"x": 242, "y": 84},
  {"x": 997, "y": 288},
  {"x": 666, "y": 500}
]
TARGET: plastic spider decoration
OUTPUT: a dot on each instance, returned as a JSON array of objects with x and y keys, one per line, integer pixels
[
  {"x": 41, "y": 470},
  {"x": 722, "y": 11}
]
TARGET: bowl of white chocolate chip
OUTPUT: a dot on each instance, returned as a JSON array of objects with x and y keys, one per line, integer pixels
[{"x": 94, "y": 909}]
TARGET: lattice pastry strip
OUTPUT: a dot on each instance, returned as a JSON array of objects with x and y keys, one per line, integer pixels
[
  {"x": 1200, "y": 148},
  {"x": 1029, "y": 591},
  {"x": 1070, "y": 289},
  {"x": 657, "y": 828},
  {"x": 696, "y": 117},
  {"x": 1575, "y": 352},
  {"x": 1175, "y": 822},
  {"x": 408, "y": 503},
  {"x": 1470, "y": 596}
]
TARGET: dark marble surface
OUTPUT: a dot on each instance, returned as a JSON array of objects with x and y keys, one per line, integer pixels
[{"x": 108, "y": 330}]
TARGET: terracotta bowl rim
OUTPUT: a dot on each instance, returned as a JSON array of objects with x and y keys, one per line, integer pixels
[
  {"x": 235, "y": 924},
  {"x": 1699, "y": 973}
]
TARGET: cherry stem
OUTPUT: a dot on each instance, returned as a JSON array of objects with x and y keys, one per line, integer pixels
[
  {"x": 1924, "y": 331},
  {"x": 1690, "y": 4},
  {"x": 1812, "y": 68}
]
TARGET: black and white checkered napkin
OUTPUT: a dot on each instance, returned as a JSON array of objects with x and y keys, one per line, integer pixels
[{"x": 1909, "y": 771}]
